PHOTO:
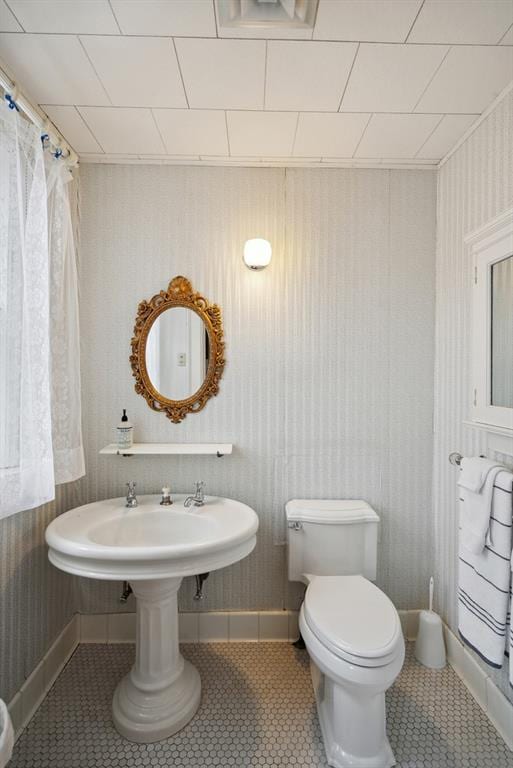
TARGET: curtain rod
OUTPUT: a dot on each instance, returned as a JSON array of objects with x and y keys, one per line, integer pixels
[{"x": 43, "y": 123}]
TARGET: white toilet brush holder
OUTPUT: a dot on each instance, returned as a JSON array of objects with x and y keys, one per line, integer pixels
[{"x": 430, "y": 646}]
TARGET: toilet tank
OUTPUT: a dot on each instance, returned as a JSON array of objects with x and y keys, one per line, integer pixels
[{"x": 331, "y": 538}]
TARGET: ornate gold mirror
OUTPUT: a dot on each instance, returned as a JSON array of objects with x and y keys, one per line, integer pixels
[{"x": 177, "y": 350}]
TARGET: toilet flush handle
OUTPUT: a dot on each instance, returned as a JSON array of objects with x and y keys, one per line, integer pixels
[{"x": 295, "y": 525}]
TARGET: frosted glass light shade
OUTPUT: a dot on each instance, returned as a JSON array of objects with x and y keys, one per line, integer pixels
[{"x": 257, "y": 253}]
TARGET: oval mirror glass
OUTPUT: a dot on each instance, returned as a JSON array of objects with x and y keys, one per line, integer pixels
[{"x": 177, "y": 353}]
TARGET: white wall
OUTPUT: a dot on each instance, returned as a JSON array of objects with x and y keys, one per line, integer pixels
[
  {"x": 329, "y": 378},
  {"x": 475, "y": 185}
]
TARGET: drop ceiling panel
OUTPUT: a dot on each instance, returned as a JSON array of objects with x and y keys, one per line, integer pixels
[
  {"x": 8, "y": 22},
  {"x": 396, "y": 136},
  {"x": 325, "y": 135},
  {"x": 387, "y": 21},
  {"x": 167, "y": 83},
  {"x": 261, "y": 134},
  {"x": 53, "y": 68},
  {"x": 223, "y": 74},
  {"x": 468, "y": 80},
  {"x": 307, "y": 76},
  {"x": 181, "y": 18},
  {"x": 508, "y": 37},
  {"x": 71, "y": 124},
  {"x": 445, "y": 135},
  {"x": 124, "y": 130},
  {"x": 137, "y": 71},
  {"x": 192, "y": 131},
  {"x": 87, "y": 17},
  {"x": 390, "y": 78},
  {"x": 462, "y": 21}
]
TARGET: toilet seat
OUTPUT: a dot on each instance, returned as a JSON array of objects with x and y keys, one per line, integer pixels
[{"x": 353, "y": 619}]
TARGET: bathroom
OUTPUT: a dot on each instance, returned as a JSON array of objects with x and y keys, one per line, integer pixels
[{"x": 369, "y": 142}]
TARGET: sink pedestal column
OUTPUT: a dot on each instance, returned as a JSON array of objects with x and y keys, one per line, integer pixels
[{"x": 161, "y": 693}]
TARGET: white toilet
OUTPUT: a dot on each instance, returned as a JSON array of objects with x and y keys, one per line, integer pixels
[{"x": 351, "y": 629}]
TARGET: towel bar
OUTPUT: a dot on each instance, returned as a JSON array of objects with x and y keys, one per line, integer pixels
[{"x": 455, "y": 458}]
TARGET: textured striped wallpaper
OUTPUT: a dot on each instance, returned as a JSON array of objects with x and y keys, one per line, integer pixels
[
  {"x": 329, "y": 379},
  {"x": 36, "y": 600},
  {"x": 474, "y": 186}
]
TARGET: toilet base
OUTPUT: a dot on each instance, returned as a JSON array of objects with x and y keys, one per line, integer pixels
[{"x": 342, "y": 726}]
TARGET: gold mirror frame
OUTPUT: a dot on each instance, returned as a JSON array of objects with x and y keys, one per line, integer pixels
[{"x": 179, "y": 294}]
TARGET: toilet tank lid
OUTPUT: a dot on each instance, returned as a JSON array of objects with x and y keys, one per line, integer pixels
[{"x": 334, "y": 511}]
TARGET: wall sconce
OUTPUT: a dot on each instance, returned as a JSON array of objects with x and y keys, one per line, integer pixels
[{"x": 257, "y": 253}]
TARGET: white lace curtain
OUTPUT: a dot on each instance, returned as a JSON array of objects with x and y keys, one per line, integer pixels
[
  {"x": 33, "y": 337},
  {"x": 68, "y": 454}
]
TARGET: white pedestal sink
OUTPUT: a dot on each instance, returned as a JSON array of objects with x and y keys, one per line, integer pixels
[{"x": 153, "y": 547}]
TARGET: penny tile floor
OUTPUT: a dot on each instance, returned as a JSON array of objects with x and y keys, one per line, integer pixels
[{"x": 257, "y": 709}]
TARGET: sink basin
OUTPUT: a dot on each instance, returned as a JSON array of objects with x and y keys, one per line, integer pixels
[
  {"x": 153, "y": 547},
  {"x": 105, "y": 540}
]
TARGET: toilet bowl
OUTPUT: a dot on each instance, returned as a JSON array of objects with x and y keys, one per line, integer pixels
[
  {"x": 353, "y": 635},
  {"x": 350, "y": 627}
]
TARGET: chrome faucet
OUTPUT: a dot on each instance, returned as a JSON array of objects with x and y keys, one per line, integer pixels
[
  {"x": 199, "y": 496},
  {"x": 131, "y": 498}
]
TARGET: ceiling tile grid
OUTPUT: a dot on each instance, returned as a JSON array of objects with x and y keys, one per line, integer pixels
[
  {"x": 164, "y": 80},
  {"x": 223, "y": 74},
  {"x": 193, "y": 131},
  {"x": 308, "y": 76},
  {"x": 71, "y": 123},
  {"x": 137, "y": 71},
  {"x": 124, "y": 130},
  {"x": 398, "y": 136},
  {"x": 391, "y": 78}
]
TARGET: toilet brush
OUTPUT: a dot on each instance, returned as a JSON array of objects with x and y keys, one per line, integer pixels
[{"x": 430, "y": 646}]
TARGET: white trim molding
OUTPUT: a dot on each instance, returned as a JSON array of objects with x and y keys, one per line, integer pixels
[
  {"x": 491, "y": 700},
  {"x": 482, "y": 117},
  {"x": 415, "y": 164},
  {"x": 29, "y": 698},
  {"x": 488, "y": 245},
  {"x": 198, "y": 627}
]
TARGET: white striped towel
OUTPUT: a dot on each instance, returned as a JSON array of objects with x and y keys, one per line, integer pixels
[
  {"x": 477, "y": 498},
  {"x": 484, "y": 579},
  {"x": 510, "y": 632},
  {"x": 474, "y": 471}
]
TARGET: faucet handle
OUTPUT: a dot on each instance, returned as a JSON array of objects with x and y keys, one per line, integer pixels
[
  {"x": 131, "y": 499},
  {"x": 199, "y": 486}
]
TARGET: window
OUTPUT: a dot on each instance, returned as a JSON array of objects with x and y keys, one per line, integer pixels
[{"x": 492, "y": 324}]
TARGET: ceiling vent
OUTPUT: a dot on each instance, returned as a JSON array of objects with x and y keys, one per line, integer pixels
[{"x": 267, "y": 14}]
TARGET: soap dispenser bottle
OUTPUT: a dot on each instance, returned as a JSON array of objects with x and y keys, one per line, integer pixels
[{"x": 125, "y": 432}]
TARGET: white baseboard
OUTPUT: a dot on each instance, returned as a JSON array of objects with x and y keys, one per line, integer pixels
[
  {"x": 215, "y": 626},
  {"x": 484, "y": 690},
  {"x": 491, "y": 700},
  {"x": 238, "y": 626},
  {"x": 24, "y": 704},
  {"x": 201, "y": 627},
  {"x": 409, "y": 623}
]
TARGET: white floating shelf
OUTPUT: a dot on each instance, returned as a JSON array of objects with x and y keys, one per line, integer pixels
[{"x": 166, "y": 449}]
